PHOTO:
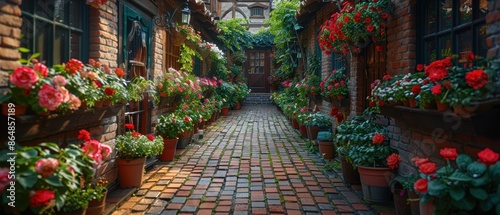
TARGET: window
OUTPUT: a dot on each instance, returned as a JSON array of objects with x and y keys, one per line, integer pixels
[
  {"x": 452, "y": 27},
  {"x": 257, "y": 62},
  {"x": 54, "y": 28},
  {"x": 257, "y": 11}
]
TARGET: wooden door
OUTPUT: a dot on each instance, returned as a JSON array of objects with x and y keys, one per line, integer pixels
[
  {"x": 257, "y": 70},
  {"x": 374, "y": 68}
]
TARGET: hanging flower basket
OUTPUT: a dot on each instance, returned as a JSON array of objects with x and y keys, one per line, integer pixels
[
  {"x": 177, "y": 38},
  {"x": 96, "y": 3}
]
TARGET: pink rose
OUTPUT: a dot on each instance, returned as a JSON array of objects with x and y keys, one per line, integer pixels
[
  {"x": 46, "y": 166},
  {"x": 59, "y": 80},
  {"x": 24, "y": 77},
  {"x": 105, "y": 151},
  {"x": 4, "y": 178},
  {"x": 75, "y": 103},
  {"x": 91, "y": 148},
  {"x": 49, "y": 97},
  {"x": 42, "y": 198},
  {"x": 42, "y": 69}
]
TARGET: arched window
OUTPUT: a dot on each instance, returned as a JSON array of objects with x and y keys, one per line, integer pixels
[{"x": 451, "y": 27}]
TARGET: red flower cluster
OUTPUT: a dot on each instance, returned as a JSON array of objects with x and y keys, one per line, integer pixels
[
  {"x": 393, "y": 160},
  {"x": 73, "y": 66},
  {"x": 476, "y": 78},
  {"x": 437, "y": 70},
  {"x": 378, "y": 138},
  {"x": 129, "y": 126},
  {"x": 42, "y": 198}
]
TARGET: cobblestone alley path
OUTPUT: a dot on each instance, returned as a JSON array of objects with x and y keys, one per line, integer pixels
[{"x": 250, "y": 162}]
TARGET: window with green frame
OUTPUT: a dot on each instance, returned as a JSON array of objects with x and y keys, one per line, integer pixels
[
  {"x": 451, "y": 27},
  {"x": 56, "y": 29}
]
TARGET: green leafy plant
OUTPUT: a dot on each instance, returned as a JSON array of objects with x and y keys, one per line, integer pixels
[
  {"x": 318, "y": 119},
  {"x": 133, "y": 144},
  {"x": 468, "y": 186},
  {"x": 171, "y": 125}
]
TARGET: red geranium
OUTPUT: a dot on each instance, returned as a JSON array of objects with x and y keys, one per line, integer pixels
[
  {"x": 109, "y": 91},
  {"x": 436, "y": 90},
  {"x": 129, "y": 126},
  {"x": 136, "y": 134},
  {"x": 42, "y": 198},
  {"x": 476, "y": 78},
  {"x": 83, "y": 135},
  {"x": 120, "y": 73},
  {"x": 73, "y": 66},
  {"x": 415, "y": 89},
  {"x": 151, "y": 137},
  {"x": 427, "y": 168}
]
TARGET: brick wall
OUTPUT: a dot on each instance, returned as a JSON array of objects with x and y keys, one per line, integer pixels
[
  {"x": 493, "y": 22},
  {"x": 103, "y": 27},
  {"x": 10, "y": 33}
]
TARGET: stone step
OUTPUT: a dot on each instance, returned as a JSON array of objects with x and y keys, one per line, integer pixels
[{"x": 258, "y": 98}]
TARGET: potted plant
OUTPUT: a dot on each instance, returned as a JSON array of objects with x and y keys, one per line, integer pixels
[
  {"x": 192, "y": 37},
  {"x": 132, "y": 149},
  {"x": 326, "y": 146},
  {"x": 469, "y": 186},
  {"x": 169, "y": 127},
  {"x": 406, "y": 200},
  {"x": 315, "y": 122},
  {"x": 334, "y": 86},
  {"x": 115, "y": 88},
  {"x": 45, "y": 176}
]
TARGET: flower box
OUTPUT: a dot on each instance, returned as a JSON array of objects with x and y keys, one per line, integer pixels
[
  {"x": 29, "y": 127},
  {"x": 480, "y": 122}
]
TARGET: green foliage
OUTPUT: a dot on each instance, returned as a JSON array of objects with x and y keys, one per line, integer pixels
[
  {"x": 173, "y": 124},
  {"x": 235, "y": 35},
  {"x": 263, "y": 38},
  {"x": 284, "y": 26},
  {"x": 318, "y": 119},
  {"x": 139, "y": 86},
  {"x": 186, "y": 58},
  {"x": 135, "y": 145}
]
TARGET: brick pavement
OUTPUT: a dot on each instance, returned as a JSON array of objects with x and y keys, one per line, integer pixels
[{"x": 250, "y": 162}]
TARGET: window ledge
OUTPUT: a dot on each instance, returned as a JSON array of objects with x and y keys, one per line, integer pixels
[
  {"x": 482, "y": 122},
  {"x": 29, "y": 127}
]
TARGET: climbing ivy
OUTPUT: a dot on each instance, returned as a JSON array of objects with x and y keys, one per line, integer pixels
[
  {"x": 235, "y": 34},
  {"x": 284, "y": 27},
  {"x": 186, "y": 58}
]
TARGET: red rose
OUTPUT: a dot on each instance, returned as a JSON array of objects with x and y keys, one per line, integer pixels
[
  {"x": 151, "y": 137},
  {"x": 421, "y": 185},
  {"x": 384, "y": 15},
  {"x": 340, "y": 117},
  {"x": 378, "y": 138},
  {"x": 109, "y": 91},
  {"x": 129, "y": 126},
  {"x": 387, "y": 77},
  {"x": 476, "y": 78},
  {"x": 49, "y": 97},
  {"x": 379, "y": 48},
  {"x": 46, "y": 166},
  {"x": 42, "y": 198},
  {"x": 449, "y": 153},
  {"x": 436, "y": 90},
  {"x": 393, "y": 160},
  {"x": 84, "y": 135},
  {"x": 24, "y": 77},
  {"x": 4, "y": 178},
  {"x": 420, "y": 67},
  {"x": 370, "y": 28},
  {"x": 419, "y": 161},
  {"x": 415, "y": 89},
  {"x": 42, "y": 69},
  {"x": 427, "y": 168},
  {"x": 488, "y": 157}
]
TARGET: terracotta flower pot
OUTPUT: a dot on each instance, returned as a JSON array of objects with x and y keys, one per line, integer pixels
[
  {"x": 303, "y": 130},
  {"x": 412, "y": 103},
  {"x": 225, "y": 111},
  {"x": 13, "y": 109},
  {"x": 350, "y": 174},
  {"x": 375, "y": 184},
  {"x": 295, "y": 124},
  {"x": 237, "y": 106},
  {"x": 130, "y": 172},
  {"x": 327, "y": 149},
  {"x": 169, "y": 147},
  {"x": 442, "y": 107},
  {"x": 312, "y": 132},
  {"x": 97, "y": 207}
]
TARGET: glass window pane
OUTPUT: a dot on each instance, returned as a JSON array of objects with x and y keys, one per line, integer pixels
[
  {"x": 445, "y": 45},
  {"x": 43, "y": 39},
  {"x": 27, "y": 6},
  {"x": 464, "y": 40},
  {"x": 60, "y": 46},
  {"x": 45, "y": 9},
  {"x": 76, "y": 15},
  {"x": 430, "y": 51},
  {"x": 60, "y": 10},
  {"x": 27, "y": 28},
  {"x": 445, "y": 14},
  {"x": 481, "y": 35},
  {"x": 465, "y": 8},
  {"x": 75, "y": 45},
  {"x": 483, "y": 8},
  {"x": 430, "y": 18}
]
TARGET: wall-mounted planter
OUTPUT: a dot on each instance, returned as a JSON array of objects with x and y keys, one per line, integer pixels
[
  {"x": 30, "y": 127},
  {"x": 479, "y": 123}
]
